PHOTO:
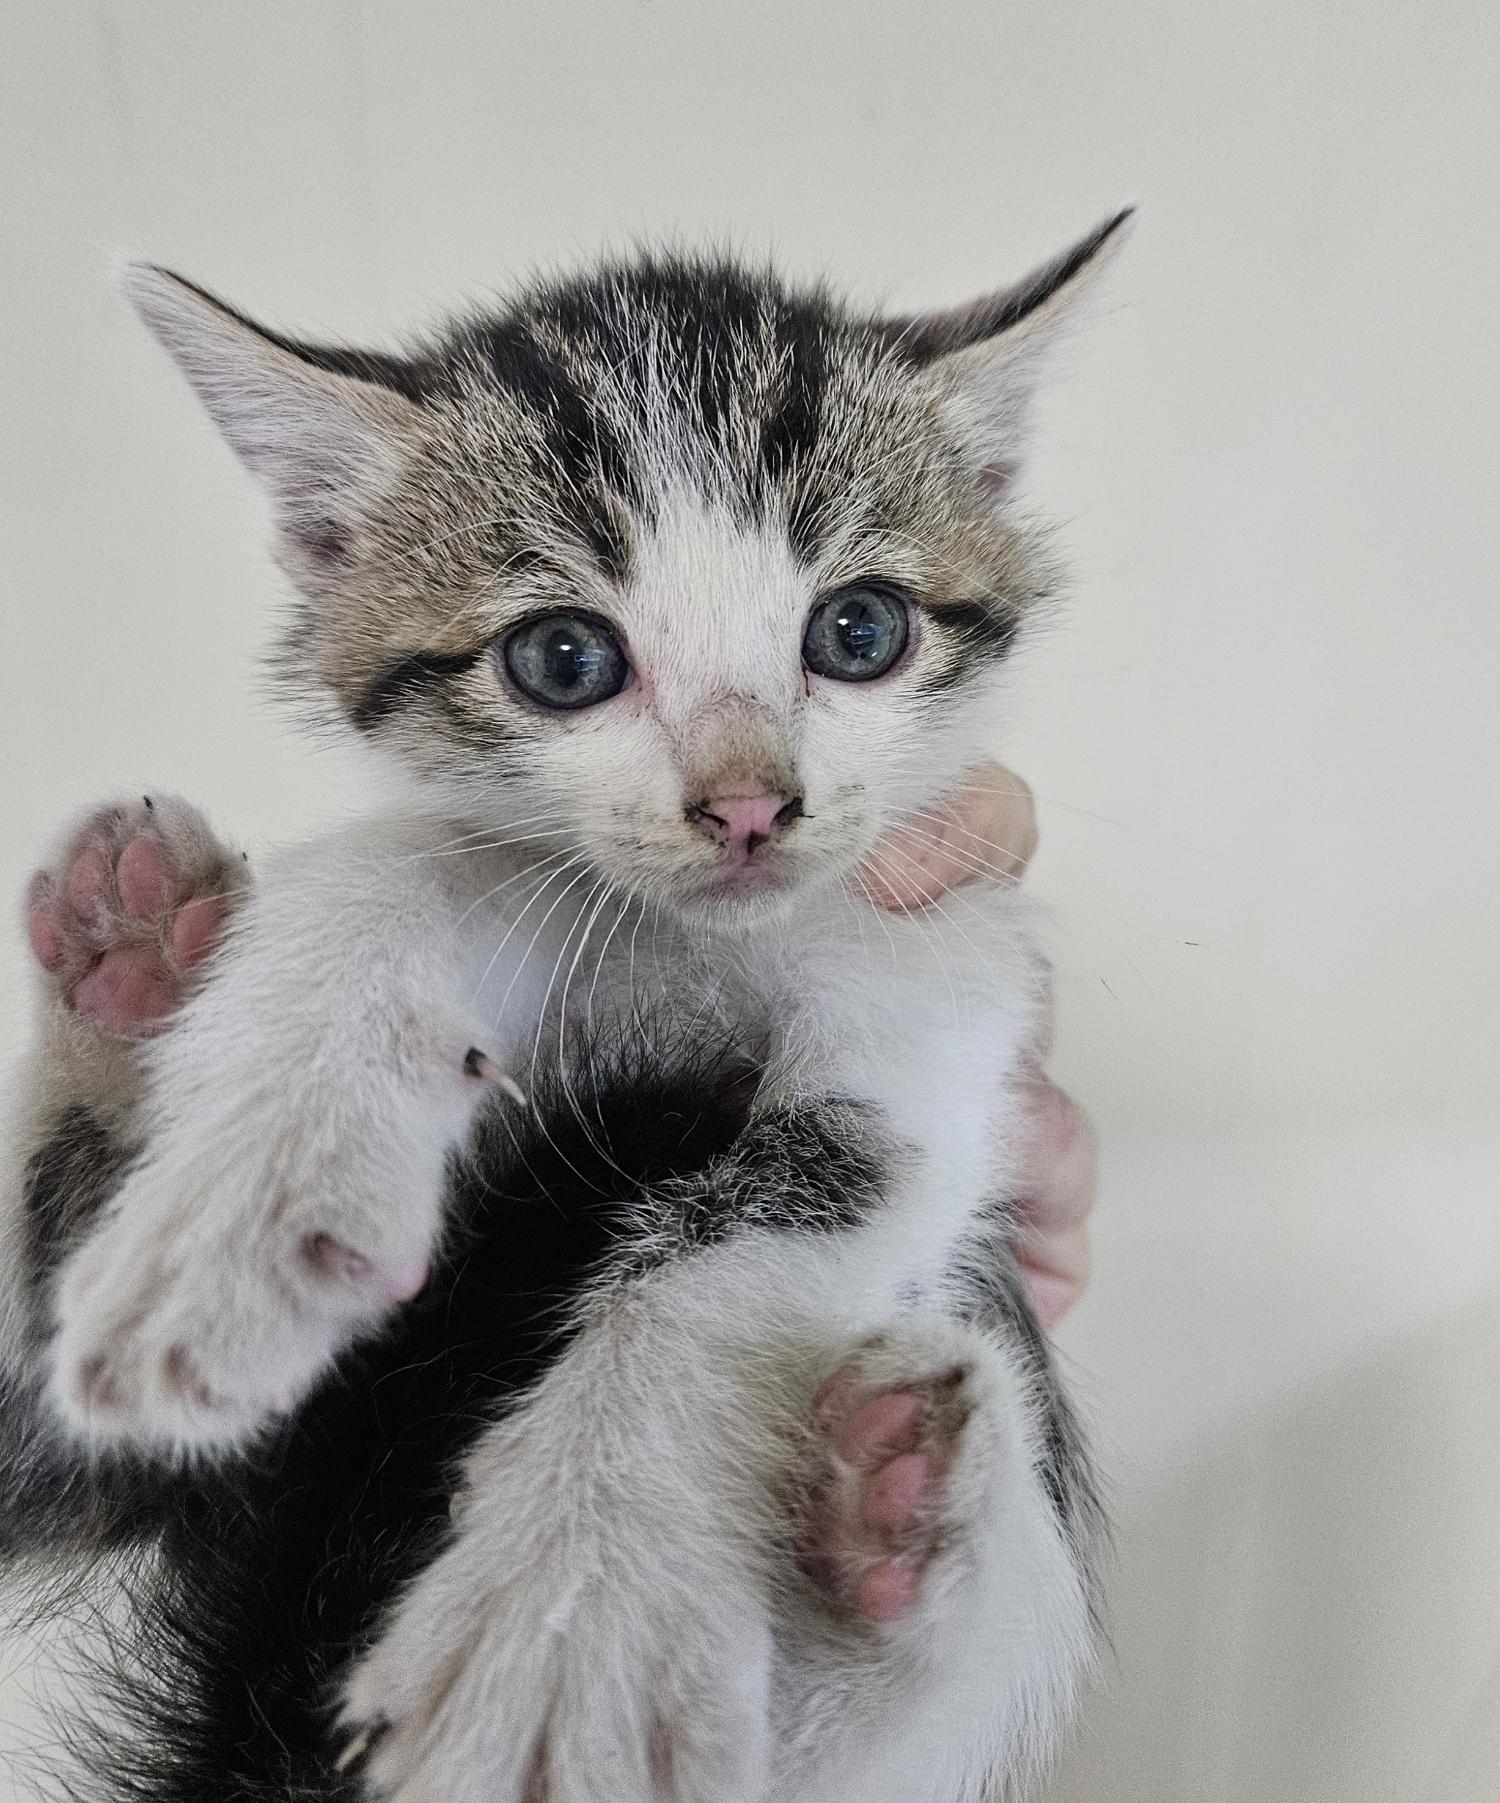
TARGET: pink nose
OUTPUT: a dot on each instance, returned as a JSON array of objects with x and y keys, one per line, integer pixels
[{"x": 744, "y": 822}]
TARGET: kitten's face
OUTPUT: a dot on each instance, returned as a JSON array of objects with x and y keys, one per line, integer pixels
[
  {"x": 761, "y": 716},
  {"x": 693, "y": 578}
]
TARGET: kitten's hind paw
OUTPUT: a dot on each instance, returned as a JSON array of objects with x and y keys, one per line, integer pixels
[
  {"x": 170, "y": 1337},
  {"x": 887, "y": 1433},
  {"x": 257, "y": 1240}
]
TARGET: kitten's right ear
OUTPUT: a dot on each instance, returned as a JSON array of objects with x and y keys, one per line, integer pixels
[
  {"x": 322, "y": 443},
  {"x": 989, "y": 358}
]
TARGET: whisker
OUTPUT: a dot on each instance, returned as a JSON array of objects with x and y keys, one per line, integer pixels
[
  {"x": 479, "y": 832},
  {"x": 619, "y": 921},
  {"x": 967, "y": 860},
  {"x": 542, "y": 1013},
  {"x": 526, "y": 838},
  {"x": 609, "y": 888},
  {"x": 980, "y": 868},
  {"x": 604, "y": 888},
  {"x": 571, "y": 863},
  {"x": 925, "y": 929},
  {"x": 517, "y": 877},
  {"x": 949, "y": 824}
]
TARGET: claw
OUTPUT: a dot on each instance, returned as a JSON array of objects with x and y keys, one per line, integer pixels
[
  {"x": 479, "y": 1065},
  {"x": 357, "y": 1748}
]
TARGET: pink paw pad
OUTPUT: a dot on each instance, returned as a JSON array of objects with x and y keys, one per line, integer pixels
[
  {"x": 137, "y": 900},
  {"x": 875, "y": 1504},
  {"x": 336, "y": 1259}
]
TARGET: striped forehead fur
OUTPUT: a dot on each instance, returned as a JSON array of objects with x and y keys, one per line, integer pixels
[{"x": 541, "y": 439}]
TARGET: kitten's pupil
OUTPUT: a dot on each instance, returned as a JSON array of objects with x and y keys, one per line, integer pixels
[
  {"x": 566, "y": 661},
  {"x": 862, "y": 635}
]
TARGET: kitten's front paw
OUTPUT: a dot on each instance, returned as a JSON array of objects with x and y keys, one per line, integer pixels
[
  {"x": 127, "y": 911},
  {"x": 196, "y": 1313}
]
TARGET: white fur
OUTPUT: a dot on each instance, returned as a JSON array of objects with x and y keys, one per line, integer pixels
[{"x": 317, "y": 1085}]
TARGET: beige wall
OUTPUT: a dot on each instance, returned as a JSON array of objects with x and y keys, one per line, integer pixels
[{"x": 1266, "y": 741}]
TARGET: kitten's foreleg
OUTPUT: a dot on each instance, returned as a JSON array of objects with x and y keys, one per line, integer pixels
[
  {"x": 121, "y": 921},
  {"x": 301, "y": 1114}
]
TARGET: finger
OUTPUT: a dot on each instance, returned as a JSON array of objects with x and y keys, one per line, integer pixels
[
  {"x": 1056, "y": 1187},
  {"x": 997, "y": 816},
  {"x": 1057, "y": 1175},
  {"x": 1056, "y": 1274},
  {"x": 986, "y": 829}
]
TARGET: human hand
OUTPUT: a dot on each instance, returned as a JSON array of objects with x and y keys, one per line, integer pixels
[{"x": 987, "y": 830}]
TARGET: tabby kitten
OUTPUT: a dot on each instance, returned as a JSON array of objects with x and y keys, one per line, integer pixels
[{"x": 688, "y": 1437}]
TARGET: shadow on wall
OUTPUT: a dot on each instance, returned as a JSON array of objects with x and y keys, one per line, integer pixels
[{"x": 1309, "y": 1610}]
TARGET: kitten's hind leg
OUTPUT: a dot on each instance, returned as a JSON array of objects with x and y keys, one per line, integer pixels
[
  {"x": 951, "y": 1616},
  {"x": 877, "y": 1503}
]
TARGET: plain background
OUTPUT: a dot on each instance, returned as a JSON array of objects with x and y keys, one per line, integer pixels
[{"x": 1265, "y": 741}]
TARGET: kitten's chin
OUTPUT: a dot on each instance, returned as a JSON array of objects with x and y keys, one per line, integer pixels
[
  {"x": 733, "y": 907},
  {"x": 748, "y": 897},
  {"x": 734, "y": 896},
  {"x": 736, "y": 917}
]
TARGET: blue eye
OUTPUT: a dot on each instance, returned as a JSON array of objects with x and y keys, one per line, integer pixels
[
  {"x": 857, "y": 633},
  {"x": 566, "y": 660}
]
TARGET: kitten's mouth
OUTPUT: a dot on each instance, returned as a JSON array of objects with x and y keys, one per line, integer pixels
[{"x": 747, "y": 877}]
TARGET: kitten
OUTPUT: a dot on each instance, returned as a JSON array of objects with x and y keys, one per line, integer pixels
[{"x": 658, "y": 596}]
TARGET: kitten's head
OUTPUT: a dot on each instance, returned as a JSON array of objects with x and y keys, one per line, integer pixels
[{"x": 703, "y": 576}]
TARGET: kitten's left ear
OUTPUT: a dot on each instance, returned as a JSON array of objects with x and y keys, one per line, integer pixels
[
  {"x": 989, "y": 358},
  {"x": 322, "y": 431}
]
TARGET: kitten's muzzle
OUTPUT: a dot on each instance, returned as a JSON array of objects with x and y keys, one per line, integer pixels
[{"x": 743, "y": 823}]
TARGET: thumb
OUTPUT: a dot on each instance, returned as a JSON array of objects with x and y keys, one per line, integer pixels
[{"x": 985, "y": 829}]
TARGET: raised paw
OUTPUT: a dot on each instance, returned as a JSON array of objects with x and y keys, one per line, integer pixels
[
  {"x": 187, "y": 1328},
  {"x": 129, "y": 909},
  {"x": 267, "y": 1226},
  {"x": 885, "y": 1444}
]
